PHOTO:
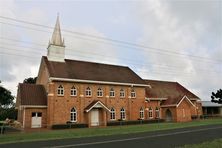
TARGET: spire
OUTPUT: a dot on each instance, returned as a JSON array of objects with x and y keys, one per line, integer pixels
[{"x": 56, "y": 36}]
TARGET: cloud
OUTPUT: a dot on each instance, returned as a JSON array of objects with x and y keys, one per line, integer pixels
[
  {"x": 24, "y": 59},
  {"x": 183, "y": 27}
]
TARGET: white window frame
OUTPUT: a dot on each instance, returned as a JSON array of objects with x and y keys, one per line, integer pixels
[
  {"x": 112, "y": 114},
  {"x": 141, "y": 113},
  {"x": 112, "y": 92},
  {"x": 88, "y": 92},
  {"x": 99, "y": 92},
  {"x": 122, "y": 114},
  {"x": 133, "y": 93},
  {"x": 73, "y": 91},
  {"x": 73, "y": 115},
  {"x": 157, "y": 112},
  {"x": 60, "y": 90},
  {"x": 150, "y": 113},
  {"x": 122, "y": 93}
]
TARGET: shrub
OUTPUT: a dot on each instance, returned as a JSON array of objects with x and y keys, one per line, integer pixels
[
  {"x": 69, "y": 125},
  {"x": 132, "y": 122}
]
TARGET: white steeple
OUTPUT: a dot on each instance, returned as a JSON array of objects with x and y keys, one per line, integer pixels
[{"x": 56, "y": 47}]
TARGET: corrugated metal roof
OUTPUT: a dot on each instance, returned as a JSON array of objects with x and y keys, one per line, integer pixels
[{"x": 210, "y": 104}]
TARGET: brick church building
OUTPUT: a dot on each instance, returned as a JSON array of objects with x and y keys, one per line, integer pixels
[{"x": 82, "y": 92}]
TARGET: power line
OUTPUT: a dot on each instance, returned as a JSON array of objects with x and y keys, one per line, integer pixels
[
  {"x": 129, "y": 61},
  {"x": 108, "y": 39}
]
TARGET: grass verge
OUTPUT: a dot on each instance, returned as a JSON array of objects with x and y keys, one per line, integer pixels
[
  {"x": 217, "y": 143},
  {"x": 89, "y": 132}
]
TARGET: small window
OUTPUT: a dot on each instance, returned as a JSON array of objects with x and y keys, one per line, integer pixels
[
  {"x": 73, "y": 91},
  {"x": 99, "y": 92},
  {"x": 122, "y": 93},
  {"x": 133, "y": 93},
  {"x": 157, "y": 113},
  {"x": 183, "y": 112},
  {"x": 112, "y": 114},
  {"x": 141, "y": 113},
  {"x": 150, "y": 113},
  {"x": 60, "y": 90},
  {"x": 112, "y": 92},
  {"x": 88, "y": 92},
  {"x": 36, "y": 114},
  {"x": 122, "y": 114},
  {"x": 73, "y": 115}
]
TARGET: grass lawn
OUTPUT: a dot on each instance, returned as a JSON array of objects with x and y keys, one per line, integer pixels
[
  {"x": 217, "y": 143},
  {"x": 88, "y": 132}
]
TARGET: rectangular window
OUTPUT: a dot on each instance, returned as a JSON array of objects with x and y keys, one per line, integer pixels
[
  {"x": 150, "y": 113},
  {"x": 112, "y": 93},
  {"x": 133, "y": 94},
  {"x": 122, "y": 93},
  {"x": 141, "y": 114},
  {"x": 73, "y": 92}
]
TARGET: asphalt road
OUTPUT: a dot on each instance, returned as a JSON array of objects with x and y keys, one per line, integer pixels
[{"x": 158, "y": 139}]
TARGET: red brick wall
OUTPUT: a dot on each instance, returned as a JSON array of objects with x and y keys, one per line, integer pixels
[
  {"x": 28, "y": 116},
  {"x": 153, "y": 104},
  {"x": 184, "y": 111},
  {"x": 60, "y": 106}
]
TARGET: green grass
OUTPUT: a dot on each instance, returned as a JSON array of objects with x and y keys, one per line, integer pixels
[
  {"x": 88, "y": 132},
  {"x": 217, "y": 143}
]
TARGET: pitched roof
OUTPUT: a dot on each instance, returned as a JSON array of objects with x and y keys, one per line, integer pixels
[
  {"x": 175, "y": 101},
  {"x": 31, "y": 94},
  {"x": 165, "y": 89},
  {"x": 82, "y": 70},
  {"x": 94, "y": 104}
]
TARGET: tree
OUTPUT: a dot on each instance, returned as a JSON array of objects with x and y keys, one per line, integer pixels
[
  {"x": 30, "y": 80},
  {"x": 7, "y": 106},
  {"x": 217, "y": 97},
  {"x": 6, "y": 98}
]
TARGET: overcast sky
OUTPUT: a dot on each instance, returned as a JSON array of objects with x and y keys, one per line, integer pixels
[{"x": 171, "y": 40}]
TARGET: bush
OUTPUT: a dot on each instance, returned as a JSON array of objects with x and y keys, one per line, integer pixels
[
  {"x": 10, "y": 113},
  {"x": 132, "y": 122},
  {"x": 69, "y": 125},
  {"x": 193, "y": 117}
]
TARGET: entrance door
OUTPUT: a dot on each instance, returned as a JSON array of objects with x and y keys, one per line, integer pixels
[
  {"x": 95, "y": 117},
  {"x": 168, "y": 115},
  {"x": 36, "y": 120}
]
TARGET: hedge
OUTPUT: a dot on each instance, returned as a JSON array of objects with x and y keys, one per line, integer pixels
[
  {"x": 132, "y": 122},
  {"x": 69, "y": 125}
]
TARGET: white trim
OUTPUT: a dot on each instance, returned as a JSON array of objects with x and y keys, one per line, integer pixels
[
  {"x": 172, "y": 105},
  {"x": 99, "y": 82},
  {"x": 155, "y": 99},
  {"x": 185, "y": 97},
  {"x": 96, "y": 104},
  {"x": 23, "y": 118},
  {"x": 34, "y": 106},
  {"x": 176, "y": 105}
]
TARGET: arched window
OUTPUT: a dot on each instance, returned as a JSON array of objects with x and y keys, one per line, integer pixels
[
  {"x": 141, "y": 113},
  {"x": 73, "y": 115},
  {"x": 112, "y": 92},
  {"x": 73, "y": 91},
  {"x": 157, "y": 112},
  {"x": 122, "y": 114},
  {"x": 60, "y": 90},
  {"x": 150, "y": 113},
  {"x": 88, "y": 92},
  {"x": 112, "y": 114},
  {"x": 122, "y": 93},
  {"x": 133, "y": 93},
  {"x": 99, "y": 92}
]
